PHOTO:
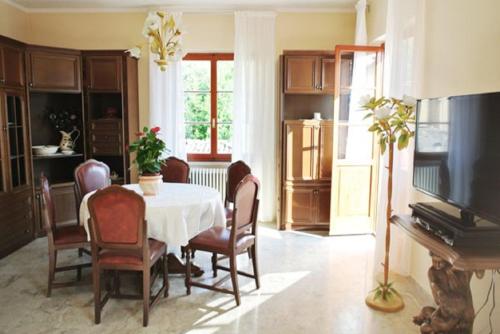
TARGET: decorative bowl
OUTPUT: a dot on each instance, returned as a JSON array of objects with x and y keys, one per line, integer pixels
[{"x": 44, "y": 149}]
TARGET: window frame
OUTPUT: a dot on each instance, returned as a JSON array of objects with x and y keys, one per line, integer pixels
[{"x": 213, "y": 58}]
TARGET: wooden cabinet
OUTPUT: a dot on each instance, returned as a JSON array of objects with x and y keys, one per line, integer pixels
[
  {"x": 103, "y": 73},
  {"x": 54, "y": 70},
  {"x": 11, "y": 66},
  {"x": 309, "y": 73},
  {"x": 307, "y": 173},
  {"x": 111, "y": 86},
  {"x": 307, "y": 206}
]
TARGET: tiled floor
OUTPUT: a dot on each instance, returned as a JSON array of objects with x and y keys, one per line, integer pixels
[{"x": 310, "y": 284}]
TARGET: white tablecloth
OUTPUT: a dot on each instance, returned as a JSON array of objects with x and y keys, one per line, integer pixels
[{"x": 177, "y": 214}]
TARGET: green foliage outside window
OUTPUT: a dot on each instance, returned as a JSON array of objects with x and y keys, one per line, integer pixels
[{"x": 196, "y": 79}]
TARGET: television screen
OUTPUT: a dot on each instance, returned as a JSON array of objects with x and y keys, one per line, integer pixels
[{"x": 457, "y": 152}]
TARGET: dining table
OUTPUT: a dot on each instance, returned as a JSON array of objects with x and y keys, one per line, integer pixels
[{"x": 175, "y": 215}]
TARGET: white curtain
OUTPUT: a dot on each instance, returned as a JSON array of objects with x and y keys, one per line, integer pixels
[
  {"x": 402, "y": 76},
  {"x": 254, "y": 102},
  {"x": 166, "y": 102},
  {"x": 363, "y": 64}
]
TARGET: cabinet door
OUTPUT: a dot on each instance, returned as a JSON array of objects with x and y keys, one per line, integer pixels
[
  {"x": 104, "y": 73},
  {"x": 302, "y": 74},
  {"x": 300, "y": 205},
  {"x": 325, "y": 150},
  {"x": 13, "y": 67},
  {"x": 54, "y": 71},
  {"x": 301, "y": 151},
  {"x": 16, "y": 143},
  {"x": 323, "y": 199},
  {"x": 16, "y": 220},
  {"x": 327, "y": 75}
]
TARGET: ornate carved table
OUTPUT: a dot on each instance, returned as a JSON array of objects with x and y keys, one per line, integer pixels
[{"x": 449, "y": 277}]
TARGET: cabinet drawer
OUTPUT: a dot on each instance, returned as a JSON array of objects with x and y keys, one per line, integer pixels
[
  {"x": 106, "y": 125},
  {"x": 106, "y": 148},
  {"x": 105, "y": 137}
]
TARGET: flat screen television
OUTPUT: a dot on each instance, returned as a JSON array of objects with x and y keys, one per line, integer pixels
[{"x": 457, "y": 152}]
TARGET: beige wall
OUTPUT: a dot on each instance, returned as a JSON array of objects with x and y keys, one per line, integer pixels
[
  {"x": 462, "y": 52},
  {"x": 204, "y": 33},
  {"x": 376, "y": 19},
  {"x": 13, "y": 22}
]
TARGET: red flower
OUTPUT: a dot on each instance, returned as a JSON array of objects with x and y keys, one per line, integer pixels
[
  {"x": 139, "y": 134},
  {"x": 155, "y": 129}
]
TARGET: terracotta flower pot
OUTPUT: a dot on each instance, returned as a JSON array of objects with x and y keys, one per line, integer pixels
[{"x": 150, "y": 184}]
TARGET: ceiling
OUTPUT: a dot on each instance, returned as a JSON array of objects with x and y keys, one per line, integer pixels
[{"x": 193, "y": 5}]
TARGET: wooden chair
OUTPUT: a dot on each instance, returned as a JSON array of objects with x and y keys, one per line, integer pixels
[
  {"x": 60, "y": 238},
  {"x": 90, "y": 176},
  {"x": 231, "y": 241},
  {"x": 175, "y": 170},
  {"x": 119, "y": 242},
  {"x": 235, "y": 173}
]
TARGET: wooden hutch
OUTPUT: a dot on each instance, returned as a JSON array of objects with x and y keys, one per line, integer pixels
[
  {"x": 328, "y": 166},
  {"x": 36, "y": 81},
  {"x": 306, "y": 143}
]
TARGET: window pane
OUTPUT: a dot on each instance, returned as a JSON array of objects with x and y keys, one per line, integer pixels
[
  {"x": 355, "y": 143},
  {"x": 225, "y": 72},
  {"x": 198, "y": 138},
  {"x": 224, "y": 133},
  {"x": 196, "y": 75},
  {"x": 224, "y": 107},
  {"x": 197, "y": 107}
]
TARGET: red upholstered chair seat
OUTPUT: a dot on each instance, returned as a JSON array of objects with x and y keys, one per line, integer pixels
[
  {"x": 70, "y": 235},
  {"x": 216, "y": 239},
  {"x": 109, "y": 257}
]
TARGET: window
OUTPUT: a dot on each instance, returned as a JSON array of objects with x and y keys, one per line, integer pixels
[{"x": 208, "y": 105}]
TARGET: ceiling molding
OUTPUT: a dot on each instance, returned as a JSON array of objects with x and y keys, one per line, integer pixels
[{"x": 221, "y": 9}]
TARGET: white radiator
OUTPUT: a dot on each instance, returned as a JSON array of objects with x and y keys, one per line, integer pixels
[{"x": 213, "y": 177}]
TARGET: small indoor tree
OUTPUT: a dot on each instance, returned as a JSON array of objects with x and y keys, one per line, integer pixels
[{"x": 392, "y": 119}]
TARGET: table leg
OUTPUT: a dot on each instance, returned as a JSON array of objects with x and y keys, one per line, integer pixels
[
  {"x": 454, "y": 313},
  {"x": 177, "y": 266}
]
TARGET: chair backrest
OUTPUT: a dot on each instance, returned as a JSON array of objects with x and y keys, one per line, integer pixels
[
  {"x": 235, "y": 173},
  {"x": 245, "y": 207},
  {"x": 90, "y": 176},
  {"x": 117, "y": 219},
  {"x": 175, "y": 170},
  {"x": 48, "y": 208}
]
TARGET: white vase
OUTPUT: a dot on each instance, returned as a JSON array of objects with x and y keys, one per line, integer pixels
[{"x": 150, "y": 184}]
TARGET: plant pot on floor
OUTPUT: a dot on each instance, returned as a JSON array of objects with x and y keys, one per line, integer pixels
[{"x": 150, "y": 184}]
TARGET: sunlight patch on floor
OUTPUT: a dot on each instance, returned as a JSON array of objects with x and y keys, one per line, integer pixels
[{"x": 222, "y": 310}]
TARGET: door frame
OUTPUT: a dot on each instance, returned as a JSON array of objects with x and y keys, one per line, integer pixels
[{"x": 336, "y": 163}]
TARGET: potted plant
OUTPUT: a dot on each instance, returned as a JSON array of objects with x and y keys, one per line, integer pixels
[
  {"x": 391, "y": 122},
  {"x": 149, "y": 149}
]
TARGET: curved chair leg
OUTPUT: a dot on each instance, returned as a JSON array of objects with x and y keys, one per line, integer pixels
[
  {"x": 253, "y": 250},
  {"x": 188, "y": 272},
  {"x": 234, "y": 278},
  {"x": 146, "y": 291}
]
